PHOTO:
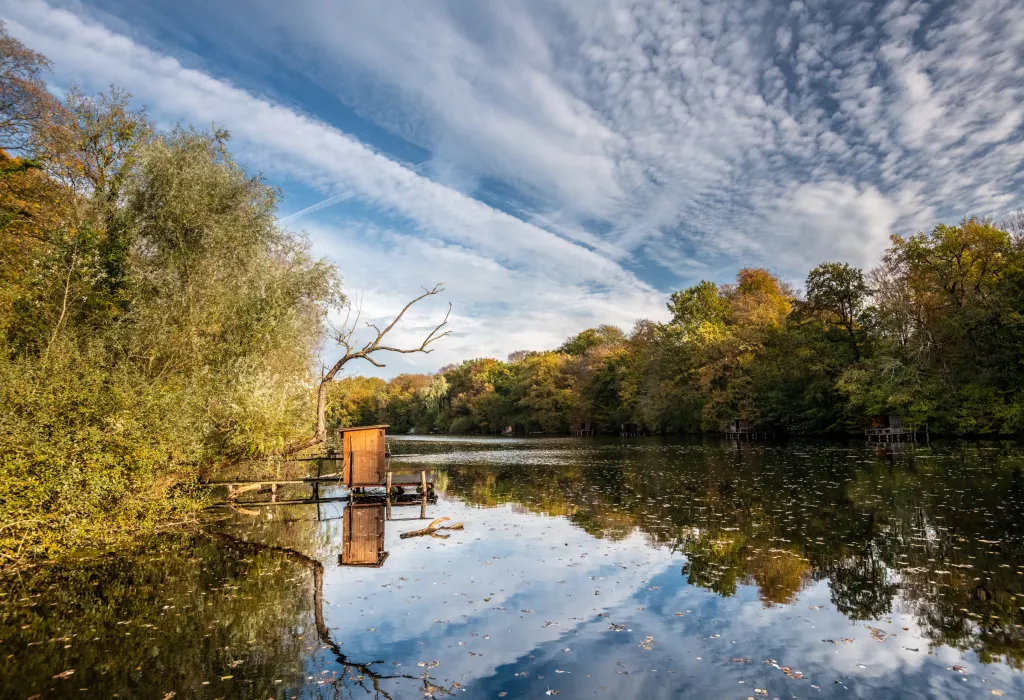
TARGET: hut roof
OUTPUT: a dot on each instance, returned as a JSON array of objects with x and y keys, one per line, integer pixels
[{"x": 361, "y": 427}]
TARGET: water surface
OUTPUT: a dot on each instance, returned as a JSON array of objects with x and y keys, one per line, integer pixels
[{"x": 640, "y": 568}]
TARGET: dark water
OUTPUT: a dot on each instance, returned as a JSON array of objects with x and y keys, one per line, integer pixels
[{"x": 587, "y": 568}]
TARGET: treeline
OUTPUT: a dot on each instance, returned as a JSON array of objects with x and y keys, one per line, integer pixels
[
  {"x": 155, "y": 321},
  {"x": 934, "y": 333}
]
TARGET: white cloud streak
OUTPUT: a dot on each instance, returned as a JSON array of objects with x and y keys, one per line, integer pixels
[
  {"x": 699, "y": 127},
  {"x": 683, "y": 139},
  {"x": 487, "y": 256}
]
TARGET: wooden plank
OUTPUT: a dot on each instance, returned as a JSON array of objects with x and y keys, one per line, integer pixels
[
  {"x": 308, "y": 480},
  {"x": 295, "y": 502}
]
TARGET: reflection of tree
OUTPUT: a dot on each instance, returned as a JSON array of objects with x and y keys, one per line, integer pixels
[
  {"x": 171, "y": 615},
  {"x": 180, "y": 613},
  {"x": 357, "y": 673},
  {"x": 875, "y": 529},
  {"x": 860, "y": 587}
]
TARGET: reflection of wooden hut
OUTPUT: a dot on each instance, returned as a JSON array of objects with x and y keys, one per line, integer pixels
[
  {"x": 363, "y": 535},
  {"x": 886, "y": 427},
  {"x": 363, "y": 455}
]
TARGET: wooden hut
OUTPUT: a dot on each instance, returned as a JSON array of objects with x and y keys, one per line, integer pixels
[
  {"x": 584, "y": 429},
  {"x": 363, "y": 459},
  {"x": 886, "y": 427},
  {"x": 742, "y": 428},
  {"x": 363, "y": 535}
]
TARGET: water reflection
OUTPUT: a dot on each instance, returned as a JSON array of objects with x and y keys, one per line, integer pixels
[{"x": 628, "y": 568}]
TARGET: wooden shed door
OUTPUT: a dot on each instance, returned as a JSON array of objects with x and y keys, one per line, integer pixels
[
  {"x": 363, "y": 535},
  {"x": 365, "y": 452}
]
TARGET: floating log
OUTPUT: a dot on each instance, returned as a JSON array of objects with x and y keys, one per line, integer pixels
[{"x": 432, "y": 529}]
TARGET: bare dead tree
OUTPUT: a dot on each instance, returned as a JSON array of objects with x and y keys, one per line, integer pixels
[
  {"x": 1014, "y": 223},
  {"x": 345, "y": 337}
]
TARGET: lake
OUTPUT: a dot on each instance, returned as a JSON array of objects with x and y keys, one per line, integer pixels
[{"x": 626, "y": 568}]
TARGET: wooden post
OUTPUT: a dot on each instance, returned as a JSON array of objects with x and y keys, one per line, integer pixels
[
  {"x": 387, "y": 497},
  {"x": 273, "y": 493},
  {"x": 423, "y": 498}
]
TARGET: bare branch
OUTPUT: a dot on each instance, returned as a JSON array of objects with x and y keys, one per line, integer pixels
[{"x": 345, "y": 337}]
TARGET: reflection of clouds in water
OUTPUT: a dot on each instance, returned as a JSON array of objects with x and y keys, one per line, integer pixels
[
  {"x": 518, "y": 561},
  {"x": 522, "y": 561}
]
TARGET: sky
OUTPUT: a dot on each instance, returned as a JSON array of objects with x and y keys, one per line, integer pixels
[{"x": 561, "y": 164}]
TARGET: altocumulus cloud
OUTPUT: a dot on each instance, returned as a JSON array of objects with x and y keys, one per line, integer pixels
[{"x": 636, "y": 146}]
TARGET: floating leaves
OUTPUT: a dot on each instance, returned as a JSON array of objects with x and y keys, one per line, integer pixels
[
  {"x": 879, "y": 635},
  {"x": 791, "y": 673}
]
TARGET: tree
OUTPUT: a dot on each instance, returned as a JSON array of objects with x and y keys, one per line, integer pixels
[
  {"x": 93, "y": 143},
  {"x": 700, "y": 309},
  {"x": 26, "y": 106},
  {"x": 592, "y": 338},
  {"x": 838, "y": 292},
  {"x": 353, "y": 350}
]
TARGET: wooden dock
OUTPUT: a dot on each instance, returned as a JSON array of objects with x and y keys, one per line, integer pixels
[{"x": 400, "y": 478}]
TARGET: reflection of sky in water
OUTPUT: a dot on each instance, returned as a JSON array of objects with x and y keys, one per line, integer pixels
[
  {"x": 582, "y": 538},
  {"x": 461, "y": 602}
]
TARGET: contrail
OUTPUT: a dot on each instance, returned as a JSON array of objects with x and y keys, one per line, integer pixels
[{"x": 315, "y": 207}]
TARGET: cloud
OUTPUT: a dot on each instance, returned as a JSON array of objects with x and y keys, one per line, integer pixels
[
  {"x": 541, "y": 277},
  {"x": 678, "y": 126},
  {"x": 585, "y": 158}
]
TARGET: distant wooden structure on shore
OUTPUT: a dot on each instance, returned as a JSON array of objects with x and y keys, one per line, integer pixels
[
  {"x": 584, "y": 429},
  {"x": 630, "y": 430},
  {"x": 888, "y": 428},
  {"x": 741, "y": 429}
]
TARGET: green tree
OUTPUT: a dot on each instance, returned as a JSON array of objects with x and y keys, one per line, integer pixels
[{"x": 839, "y": 294}]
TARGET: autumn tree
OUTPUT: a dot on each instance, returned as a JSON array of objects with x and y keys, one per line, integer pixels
[{"x": 26, "y": 105}]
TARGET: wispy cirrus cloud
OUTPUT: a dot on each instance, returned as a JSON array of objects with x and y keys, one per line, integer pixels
[
  {"x": 582, "y": 159},
  {"x": 526, "y": 283}
]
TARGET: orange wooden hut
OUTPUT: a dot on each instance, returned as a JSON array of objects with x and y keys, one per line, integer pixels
[{"x": 363, "y": 455}]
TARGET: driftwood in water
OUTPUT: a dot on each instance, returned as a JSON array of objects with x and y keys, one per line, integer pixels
[{"x": 432, "y": 529}]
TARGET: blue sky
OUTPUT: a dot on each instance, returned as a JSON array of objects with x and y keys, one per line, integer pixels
[{"x": 562, "y": 164}]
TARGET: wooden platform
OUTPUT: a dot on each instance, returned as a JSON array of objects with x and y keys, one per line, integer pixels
[
  {"x": 749, "y": 435},
  {"x": 404, "y": 477}
]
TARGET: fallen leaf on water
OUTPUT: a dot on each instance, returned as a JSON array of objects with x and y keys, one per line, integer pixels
[
  {"x": 226, "y": 678},
  {"x": 998, "y": 692},
  {"x": 65, "y": 674},
  {"x": 879, "y": 635}
]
